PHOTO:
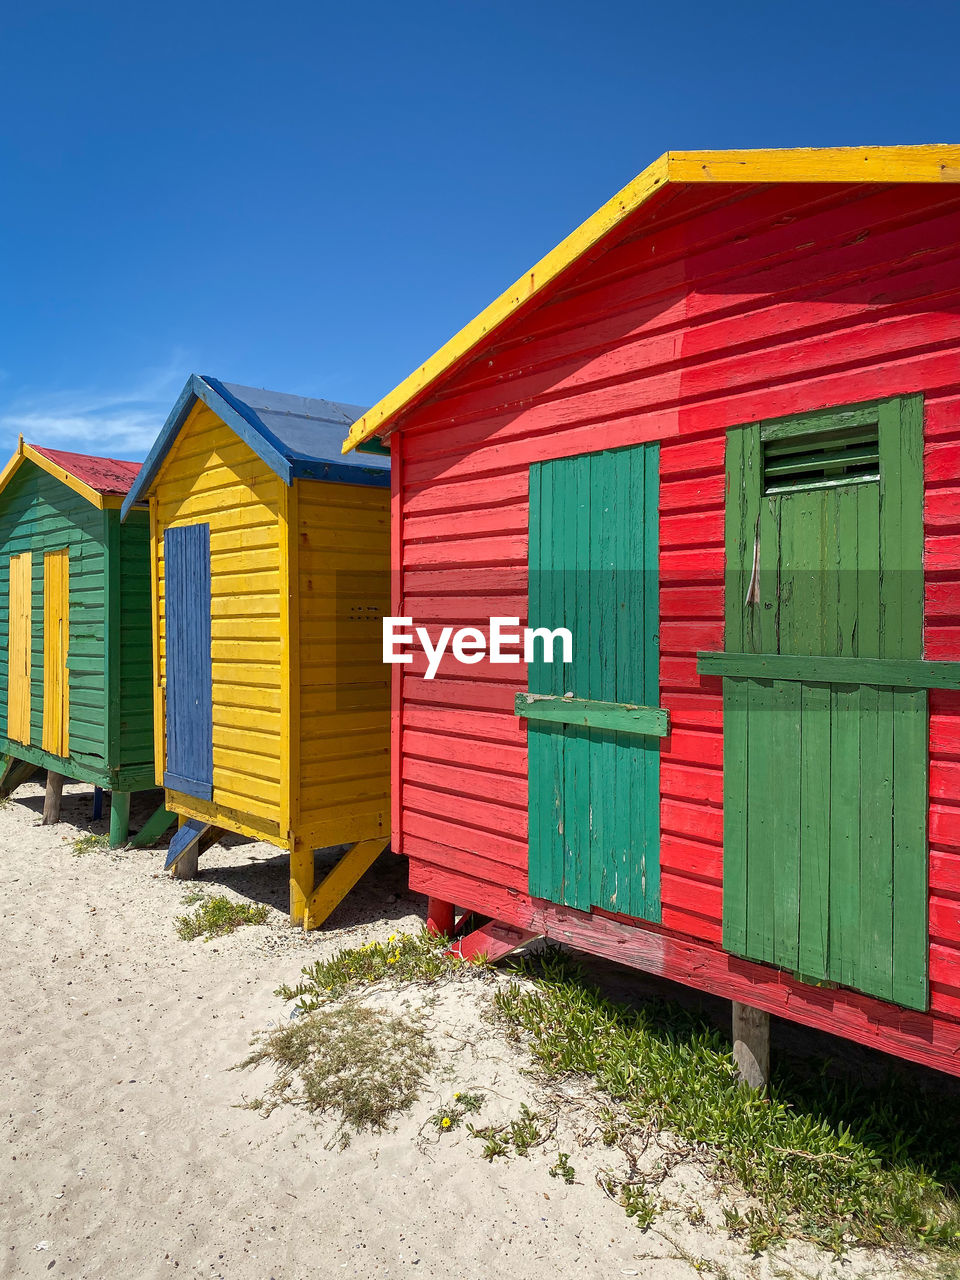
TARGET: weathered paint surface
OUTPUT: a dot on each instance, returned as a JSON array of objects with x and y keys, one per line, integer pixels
[
  {"x": 56, "y": 641},
  {"x": 189, "y": 688},
  {"x": 19, "y": 618},
  {"x": 595, "y": 791},
  {"x": 41, "y": 514},
  {"x": 825, "y": 782},
  {"x": 718, "y": 307},
  {"x": 211, "y": 476}
]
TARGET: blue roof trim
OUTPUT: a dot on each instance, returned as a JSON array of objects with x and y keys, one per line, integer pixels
[
  {"x": 300, "y": 436},
  {"x": 306, "y": 469}
]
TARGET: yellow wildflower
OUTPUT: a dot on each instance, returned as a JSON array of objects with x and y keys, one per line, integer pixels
[
  {"x": 391, "y": 959},
  {"x": 445, "y": 1122}
]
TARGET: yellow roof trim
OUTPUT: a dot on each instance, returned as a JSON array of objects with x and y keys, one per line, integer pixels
[
  {"x": 935, "y": 163},
  {"x": 27, "y": 453}
]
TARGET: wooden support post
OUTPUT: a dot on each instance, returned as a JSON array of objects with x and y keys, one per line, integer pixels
[
  {"x": 97, "y": 803},
  {"x": 155, "y": 826},
  {"x": 336, "y": 884},
  {"x": 187, "y": 867},
  {"x": 51, "y": 801},
  {"x": 12, "y": 773},
  {"x": 441, "y": 918},
  {"x": 491, "y": 942},
  {"x": 301, "y": 883},
  {"x": 119, "y": 818},
  {"x": 751, "y": 1045}
]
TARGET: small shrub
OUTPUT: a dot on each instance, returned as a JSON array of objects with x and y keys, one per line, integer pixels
[
  {"x": 361, "y": 1064},
  {"x": 89, "y": 844},
  {"x": 521, "y": 1134},
  {"x": 562, "y": 1168},
  {"x": 452, "y": 1117},
  {"x": 403, "y": 957},
  {"x": 218, "y": 916}
]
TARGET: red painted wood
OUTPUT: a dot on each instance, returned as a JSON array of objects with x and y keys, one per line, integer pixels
[
  {"x": 397, "y": 729},
  {"x": 748, "y": 303},
  {"x": 441, "y": 917},
  {"x": 492, "y": 941},
  {"x": 919, "y": 1037}
]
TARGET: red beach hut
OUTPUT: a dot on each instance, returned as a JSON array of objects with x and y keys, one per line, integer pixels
[{"x": 714, "y": 435}]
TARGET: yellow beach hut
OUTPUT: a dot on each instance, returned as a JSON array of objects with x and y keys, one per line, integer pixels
[{"x": 270, "y": 557}]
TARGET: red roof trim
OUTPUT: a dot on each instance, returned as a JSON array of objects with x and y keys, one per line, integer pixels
[{"x": 105, "y": 475}]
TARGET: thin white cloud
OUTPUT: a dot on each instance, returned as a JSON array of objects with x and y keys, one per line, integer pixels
[{"x": 119, "y": 423}]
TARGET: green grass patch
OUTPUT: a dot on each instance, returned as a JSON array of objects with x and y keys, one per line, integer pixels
[
  {"x": 830, "y": 1158},
  {"x": 363, "y": 1065},
  {"x": 90, "y": 843},
  {"x": 404, "y": 957},
  {"x": 218, "y": 916}
]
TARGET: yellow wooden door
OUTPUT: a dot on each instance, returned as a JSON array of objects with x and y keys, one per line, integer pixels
[
  {"x": 56, "y": 636},
  {"x": 18, "y": 649}
]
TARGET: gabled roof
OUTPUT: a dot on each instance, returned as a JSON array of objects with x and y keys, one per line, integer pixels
[
  {"x": 935, "y": 164},
  {"x": 102, "y": 481},
  {"x": 294, "y": 436}
]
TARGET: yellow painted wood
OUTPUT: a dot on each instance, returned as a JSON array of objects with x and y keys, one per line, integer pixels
[
  {"x": 19, "y": 647},
  {"x": 335, "y": 886},
  {"x": 290, "y": 621},
  {"x": 933, "y": 164},
  {"x": 56, "y": 639},
  {"x": 301, "y": 880},
  {"x": 159, "y": 706},
  {"x": 341, "y": 672},
  {"x": 27, "y": 453},
  {"x": 245, "y": 510}
]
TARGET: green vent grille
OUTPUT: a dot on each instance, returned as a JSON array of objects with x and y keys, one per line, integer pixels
[{"x": 821, "y": 460}]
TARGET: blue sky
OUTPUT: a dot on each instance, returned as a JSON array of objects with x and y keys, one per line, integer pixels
[{"x": 312, "y": 197}]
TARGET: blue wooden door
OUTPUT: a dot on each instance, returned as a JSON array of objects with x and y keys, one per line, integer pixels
[{"x": 186, "y": 553}]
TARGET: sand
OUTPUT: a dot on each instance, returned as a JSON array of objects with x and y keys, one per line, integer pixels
[{"x": 125, "y": 1150}]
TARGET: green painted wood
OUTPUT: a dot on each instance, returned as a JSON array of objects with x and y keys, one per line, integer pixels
[
  {"x": 119, "y": 818},
  {"x": 593, "y": 778},
  {"x": 111, "y": 709},
  {"x": 825, "y": 710},
  {"x": 13, "y": 773},
  {"x": 595, "y": 715},
  {"x": 159, "y": 822},
  {"x": 890, "y": 672}
]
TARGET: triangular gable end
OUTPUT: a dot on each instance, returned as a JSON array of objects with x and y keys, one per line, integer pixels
[
  {"x": 30, "y": 453},
  {"x": 847, "y": 165},
  {"x": 230, "y": 411}
]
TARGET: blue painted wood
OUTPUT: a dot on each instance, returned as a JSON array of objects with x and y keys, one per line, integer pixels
[
  {"x": 97, "y": 803},
  {"x": 184, "y": 840},
  {"x": 189, "y": 763},
  {"x": 294, "y": 435}
]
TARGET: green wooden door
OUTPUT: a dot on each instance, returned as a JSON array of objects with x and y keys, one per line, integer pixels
[
  {"x": 594, "y": 724},
  {"x": 825, "y": 782}
]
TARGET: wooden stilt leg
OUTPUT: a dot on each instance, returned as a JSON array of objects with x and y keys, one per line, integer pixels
[
  {"x": 12, "y": 773},
  {"x": 440, "y": 917},
  {"x": 301, "y": 883},
  {"x": 751, "y": 1045},
  {"x": 155, "y": 826},
  {"x": 51, "y": 801},
  {"x": 187, "y": 867},
  {"x": 119, "y": 818},
  {"x": 336, "y": 884},
  {"x": 97, "y": 803}
]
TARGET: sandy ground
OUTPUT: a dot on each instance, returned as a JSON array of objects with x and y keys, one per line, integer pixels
[{"x": 125, "y": 1153}]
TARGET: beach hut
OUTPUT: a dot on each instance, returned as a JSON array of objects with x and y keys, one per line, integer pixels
[
  {"x": 270, "y": 555},
  {"x": 714, "y": 434},
  {"x": 75, "y": 684}
]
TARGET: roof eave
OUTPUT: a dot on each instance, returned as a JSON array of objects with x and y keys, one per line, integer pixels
[
  {"x": 934, "y": 164},
  {"x": 27, "y": 453},
  {"x": 215, "y": 396}
]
